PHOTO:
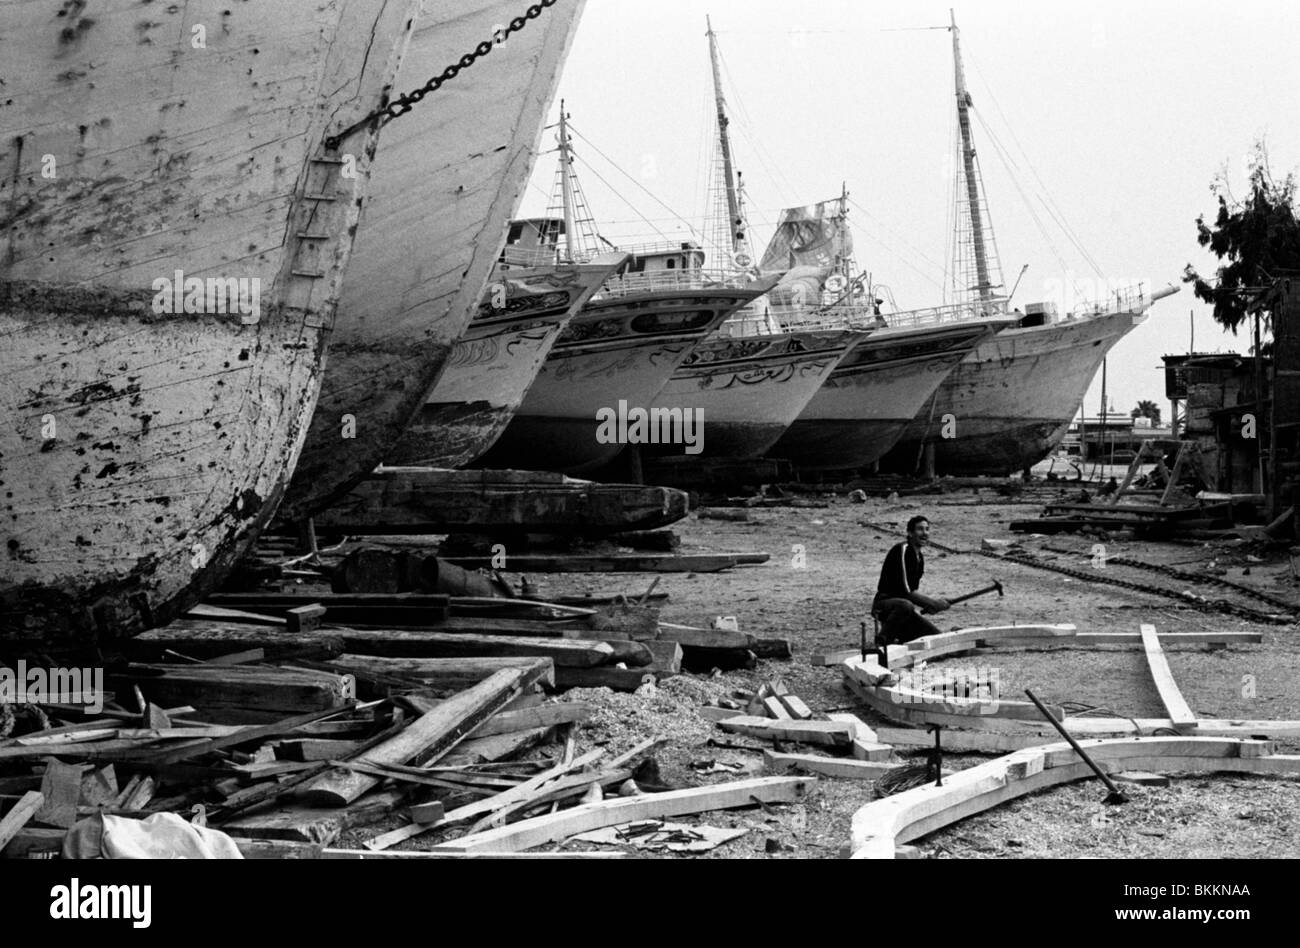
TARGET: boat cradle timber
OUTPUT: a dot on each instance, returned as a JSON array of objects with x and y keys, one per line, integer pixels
[
  {"x": 175, "y": 236},
  {"x": 493, "y": 366},
  {"x": 447, "y": 184}
]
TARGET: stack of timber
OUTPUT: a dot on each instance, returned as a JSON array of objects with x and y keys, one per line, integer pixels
[
  {"x": 439, "y": 750},
  {"x": 619, "y": 646},
  {"x": 422, "y": 501},
  {"x": 841, "y": 745}
]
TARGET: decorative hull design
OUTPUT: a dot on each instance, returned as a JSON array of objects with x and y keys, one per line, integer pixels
[
  {"x": 1012, "y": 399},
  {"x": 149, "y": 430},
  {"x": 749, "y": 390},
  {"x": 620, "y": 348},
  {"x": 446, "y": 183},
  {"x": 873, "y": 395},
  {"x": 492, "y": 368}
]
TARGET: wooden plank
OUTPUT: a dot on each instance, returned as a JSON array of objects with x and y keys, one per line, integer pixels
[
  {"x": 315, "y": 749},
  {"x": 481, "y": 807},
  {"x": 617, "y": 679},
  {"x": 795, "y": 707},
  {"x": 429, "y": 737},
  {"x": 448, "y": 673},
  {"x": 1175, "y": 706},
  {"x": 691, "y": 637},
  {"x": 829, "y": 733},
  {"x": 304, "y": 824},
  {"x": 207, "y": 640},
  {"x": 719, "y": 714},
  {"x": 544, "y": 829},
  {"x": 61, "y": 789},
  {"x": 544, "y": 716},
  {"x": 870, "y": 750},
  {"x": 18, "y": 816},
  {"x": 238, "y": 694},
  {"x": 399, "y": 643},
  {"x": 861, "y": 730},
  {"x": 776, "y": 710},
  {"x": 879, "y": 826},
  {"x": 489, "y": 750},
  {"x": 1171, "y": 638},
  {"x": 775, "y": 763}
]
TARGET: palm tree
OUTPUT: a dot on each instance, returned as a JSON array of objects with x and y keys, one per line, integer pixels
[{"x": 1147, "y": 409}]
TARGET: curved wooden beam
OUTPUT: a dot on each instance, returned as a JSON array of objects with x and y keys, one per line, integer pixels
[{"x": 881, "y": 825}]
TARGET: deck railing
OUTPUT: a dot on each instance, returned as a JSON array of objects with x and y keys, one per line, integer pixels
[{"x": 666, "y": 281}]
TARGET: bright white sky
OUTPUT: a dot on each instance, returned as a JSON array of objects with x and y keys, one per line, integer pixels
[{"x": 1125, "y": 110}]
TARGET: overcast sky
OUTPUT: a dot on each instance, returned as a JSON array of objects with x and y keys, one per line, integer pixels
[{"x": 1125, "y": 111}]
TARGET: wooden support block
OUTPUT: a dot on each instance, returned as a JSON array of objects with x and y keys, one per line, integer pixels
[
  {"x": 775, "y": 709},
  {"x": 829, "y": 733},
  {"x": 1176, "y": 707},
  {"x": 239, "y": 694},
  {"x": 869, "y": 750},
  {"x": 775, "y": 763},
  {"x": 301, "y": 619},
  {"x": 19, "y": 815},
  {"x": 861, "y": 730},
  {"x": 719, "y": 714},
  {"x": 829, "y": 659},
  {"x": 796, "y": 707},
  {"x": 427, "y": 814},
  {"x": 667, "y": 654}
]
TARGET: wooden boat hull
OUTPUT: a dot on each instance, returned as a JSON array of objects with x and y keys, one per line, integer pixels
[
  {"x": 446, "y": 184},
  {"x": 618, "y": 349},
  {"x": 143, "y": 449},
  {"x": 1012, "y": 399},
  {"x": 873, "y": 395},
  {"x": 492, "y": 368},
  {"x": 750, "y": 389}
]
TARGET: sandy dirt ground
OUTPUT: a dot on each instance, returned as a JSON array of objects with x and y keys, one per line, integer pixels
[{"x": 815, "y": 591}]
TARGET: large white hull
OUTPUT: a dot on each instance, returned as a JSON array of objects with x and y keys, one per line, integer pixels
[
  {"x": 1012, "y": 399},
  {"x": 492, "y": 368},
  {"x": 873, "y": 395},
  {"x": 618, "y": 349},
  {"x": 140, "y": 451},
  {"x": 749, "y": 390},
  {"x": 447, "y": 182}
]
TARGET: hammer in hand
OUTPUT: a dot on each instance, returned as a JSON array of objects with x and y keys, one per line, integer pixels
[{"x": 996, "y": 587}]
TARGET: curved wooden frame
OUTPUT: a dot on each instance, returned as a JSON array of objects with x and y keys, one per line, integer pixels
[{"x": 881, "y": 825}]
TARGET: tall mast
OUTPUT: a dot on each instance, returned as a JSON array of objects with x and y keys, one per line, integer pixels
[
  {"x": 968, "y": 163},
  {"x": 566, "y": 181},
  {"x": 735, "y": 231}
]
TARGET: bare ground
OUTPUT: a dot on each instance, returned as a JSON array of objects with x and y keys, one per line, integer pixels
[{"x": 815, "y": 591}]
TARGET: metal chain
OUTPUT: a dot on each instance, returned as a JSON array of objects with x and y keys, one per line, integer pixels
[{"x": 405, "y": 103}]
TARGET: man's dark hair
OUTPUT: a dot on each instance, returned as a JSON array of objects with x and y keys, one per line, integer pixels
[{"x": 912, "y": 524}]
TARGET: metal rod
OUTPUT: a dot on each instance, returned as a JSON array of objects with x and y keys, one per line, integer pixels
[{"x": 1116, "y": 796}]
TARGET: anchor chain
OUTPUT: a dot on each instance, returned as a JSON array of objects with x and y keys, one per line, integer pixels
[{"x": 403, "y": 104}]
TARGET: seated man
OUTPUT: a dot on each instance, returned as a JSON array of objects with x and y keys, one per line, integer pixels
[{"x": 898, "y": 603}]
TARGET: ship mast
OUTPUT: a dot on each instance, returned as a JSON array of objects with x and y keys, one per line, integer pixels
[
  {"x": 968, "y": 164},
  {"x": 736, "y": 228},
  {"x": 566, "y": 181}
]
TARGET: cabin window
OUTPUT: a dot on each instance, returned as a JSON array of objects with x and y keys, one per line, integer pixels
[{"x": 672, "y": 263}]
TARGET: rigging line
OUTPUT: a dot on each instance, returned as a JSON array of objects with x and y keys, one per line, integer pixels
[
  {"x": 615, "y": 166},
  {"x": 616, "y": 193},
  {"x": 898, "y": 237},
  {"x": 1054, "y": 214},
  {"x": 1047, "y": 194},
  {"x": 746, "y": 126},
  {"x": 1038, "y": 222}
]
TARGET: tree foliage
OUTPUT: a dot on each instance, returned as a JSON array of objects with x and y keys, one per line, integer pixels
[
  {"x": 1256, "y": 239},
  {"x": 1147, "y": 409}
]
